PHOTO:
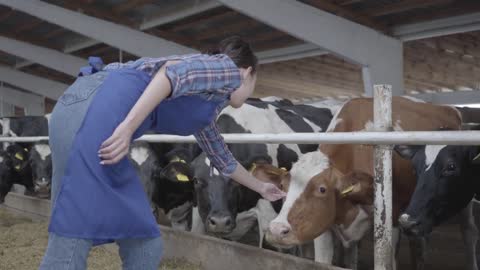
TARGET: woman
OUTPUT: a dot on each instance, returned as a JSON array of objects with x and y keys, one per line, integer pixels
[{"x": 96, "y": 195}]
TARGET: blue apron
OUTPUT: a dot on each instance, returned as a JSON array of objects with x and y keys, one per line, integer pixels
[{"x": 108, "y": 202}]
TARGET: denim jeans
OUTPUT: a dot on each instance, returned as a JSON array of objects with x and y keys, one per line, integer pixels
[{"x": 70, "y": 253}]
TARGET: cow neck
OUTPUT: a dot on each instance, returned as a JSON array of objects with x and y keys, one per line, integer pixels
[{"x": 358, "y": 227}]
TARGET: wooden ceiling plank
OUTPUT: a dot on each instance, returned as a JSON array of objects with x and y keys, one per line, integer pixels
[
  {"x": 28, "y": 26},
  {"x": 99, "y": 13},
  {"x": 342, "y": 11},
  {"x": 4, "y": 16},
  {"x": 204, "y": 20},
  {"x": 129, "y": 4},
  {"x": 403, "y": 6}
]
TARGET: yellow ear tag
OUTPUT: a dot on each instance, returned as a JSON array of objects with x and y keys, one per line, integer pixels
[
  {"x": 19, "y": 156},
  {"x": 347, "y": 190},
  {"x": 182, "y": 177},
  {"x": 17, "y": 167}
]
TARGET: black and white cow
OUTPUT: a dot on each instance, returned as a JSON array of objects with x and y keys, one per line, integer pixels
[
  {"x": 15, "y": 169},
  {"x": 37, "y": 156},
  {"x": 227, "y": 209},
  {"x": 167, "y": 180},
  {"x": 448, "y": 177}
]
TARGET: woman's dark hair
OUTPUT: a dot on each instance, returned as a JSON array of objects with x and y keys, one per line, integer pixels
[{"x": 238, "y": 50}]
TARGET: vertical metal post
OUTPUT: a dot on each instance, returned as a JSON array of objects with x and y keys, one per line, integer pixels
[
  {"x": 382, "y": 116},
  {"x": 120, "y": 56}
]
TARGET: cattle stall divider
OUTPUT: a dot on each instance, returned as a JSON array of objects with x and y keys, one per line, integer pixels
[
  {"x": 382, "y": 206},
  {"x": 383, "y": 138}
]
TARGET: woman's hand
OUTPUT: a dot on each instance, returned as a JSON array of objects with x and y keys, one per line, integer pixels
[
  {"x": 117, "y": 146},
  {"x": 271, "y": 192}
]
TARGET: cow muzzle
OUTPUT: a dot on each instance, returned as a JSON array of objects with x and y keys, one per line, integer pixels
[
  {"x": 222, "y": 224},
  {"x": 280, "y": 235},
  {"x": 408, "y": 224},
  {"x": 42, "y": 188}
]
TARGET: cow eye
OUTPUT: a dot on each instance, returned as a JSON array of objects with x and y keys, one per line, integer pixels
[
  {"x": 322, "y": 190},
  {"x": 451, "y": 167}
]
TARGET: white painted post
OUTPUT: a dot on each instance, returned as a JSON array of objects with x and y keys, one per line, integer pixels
[{"x": 382, "y": 116}]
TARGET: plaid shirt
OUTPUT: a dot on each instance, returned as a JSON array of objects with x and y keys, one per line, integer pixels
[{"x": 212, "y": 76}]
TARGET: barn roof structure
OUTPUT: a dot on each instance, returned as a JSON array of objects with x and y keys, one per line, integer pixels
[{"x": 307, "y": 48}]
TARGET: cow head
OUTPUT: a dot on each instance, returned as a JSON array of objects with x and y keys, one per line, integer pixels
[
  {"x": 446, "y": 183},
  {"x": 174, "y": 184},
  {"x": 41, "y": 162},
  {"x": 318, "y": 197},
  {"x": 6, "y": 174},
  {"x": 21, "y": 167},
  {"x": 216, "y": 198},
  {"x": 266, "y": 172}
]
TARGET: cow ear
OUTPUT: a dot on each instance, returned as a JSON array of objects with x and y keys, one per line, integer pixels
[
  {"x": 407, "y": 151},
  {"x": 357, "y": 187},
  {"x": 271, "y": 174}
]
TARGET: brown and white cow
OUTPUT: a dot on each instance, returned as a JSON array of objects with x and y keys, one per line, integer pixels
[{"x": 331, "y": 189}]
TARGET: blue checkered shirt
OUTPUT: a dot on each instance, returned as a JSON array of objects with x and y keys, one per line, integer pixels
[{"x": 212, "y": 76}]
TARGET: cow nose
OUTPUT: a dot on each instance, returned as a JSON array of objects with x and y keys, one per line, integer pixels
[
  {"x": 406, "y": 222},
  {"x": 280, "y": 229},
  {"x": 219, "y": 222}
]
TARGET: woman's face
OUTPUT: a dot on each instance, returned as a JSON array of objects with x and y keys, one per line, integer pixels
[{"x": 239, "y": 96}]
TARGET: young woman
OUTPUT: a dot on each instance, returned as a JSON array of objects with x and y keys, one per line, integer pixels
[{"x": 96, "y": 195}]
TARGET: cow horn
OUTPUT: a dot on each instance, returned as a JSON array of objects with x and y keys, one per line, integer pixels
[{"x": 476, "y": 157}]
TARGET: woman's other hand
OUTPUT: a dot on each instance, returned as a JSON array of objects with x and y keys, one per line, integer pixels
[{"x": 117, "y": 146}]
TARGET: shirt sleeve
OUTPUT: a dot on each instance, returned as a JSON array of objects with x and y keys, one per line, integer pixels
[
  {"x": 215, "y": 73},
  {"x": 212, "y": 143}
]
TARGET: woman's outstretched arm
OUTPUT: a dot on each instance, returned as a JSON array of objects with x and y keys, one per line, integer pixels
[{"x": 116, "y": 146}]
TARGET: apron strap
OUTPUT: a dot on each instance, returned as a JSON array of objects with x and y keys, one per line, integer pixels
[{"x": 95, "y": 64}]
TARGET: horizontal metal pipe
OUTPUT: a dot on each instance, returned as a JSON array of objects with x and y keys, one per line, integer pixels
[{"x": 370, "y": 138}]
